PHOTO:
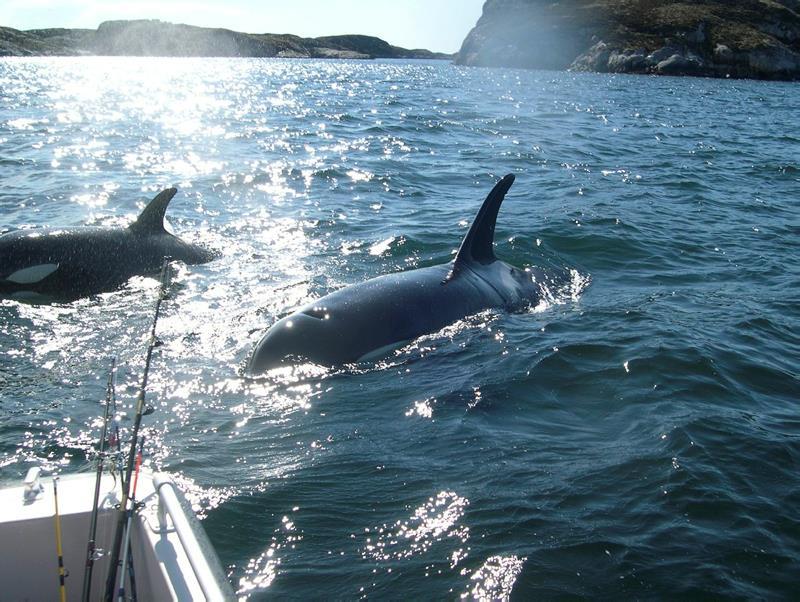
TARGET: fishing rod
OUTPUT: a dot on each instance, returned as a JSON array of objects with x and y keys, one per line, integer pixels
[
  {"x": 127, "y": 545},
  {"x": 62, "y": 574},
  {"x": 114, "y": 443},
  {"x": 116, "y": 548},
  {"x": 131, "y": 574},
  {"x": 91, "y": 547}
]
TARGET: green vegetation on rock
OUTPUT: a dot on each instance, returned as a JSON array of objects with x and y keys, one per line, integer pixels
[{"x": 732, "y": 38}]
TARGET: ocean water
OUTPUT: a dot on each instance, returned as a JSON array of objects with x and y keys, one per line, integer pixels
[{"x": 636, "y": 436}]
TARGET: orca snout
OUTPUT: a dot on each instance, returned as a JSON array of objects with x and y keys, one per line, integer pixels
[{"x": 285, "y": 342}]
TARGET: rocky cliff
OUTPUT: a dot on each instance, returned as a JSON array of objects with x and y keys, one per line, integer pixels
[
  {"x": 157, "y": 38},
  {"x": 731, "y": 38}
]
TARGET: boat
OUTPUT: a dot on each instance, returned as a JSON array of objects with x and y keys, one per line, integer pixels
[
  {"x": 127, "y": 530},
  {"x": 171, "y": 555}
]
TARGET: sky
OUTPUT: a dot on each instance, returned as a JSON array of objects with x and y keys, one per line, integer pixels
[{"x": 438, "y": 25}]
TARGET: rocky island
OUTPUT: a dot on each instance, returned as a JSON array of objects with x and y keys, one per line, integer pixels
[
  {"x": 158, "y": 38},
  {"x": 731, "y": 38}
]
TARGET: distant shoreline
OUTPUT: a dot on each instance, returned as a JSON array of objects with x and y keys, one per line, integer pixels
[{"x": 141, "y": 38}]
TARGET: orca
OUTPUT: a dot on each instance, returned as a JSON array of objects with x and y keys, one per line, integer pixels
[
  {"x": 366, "y": 321},
  {"x": 65, "y": 264}
]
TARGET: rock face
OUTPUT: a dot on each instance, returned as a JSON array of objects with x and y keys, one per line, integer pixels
[
  {"x": 156, "y": 38},
  {"x": 721, "y": 38},
  {"x": 43, "y": 42}
]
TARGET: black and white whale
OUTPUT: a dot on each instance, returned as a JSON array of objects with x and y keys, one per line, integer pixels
[
  {"x": 64, "y": 264},
  {"x": 367, "y": 320}
]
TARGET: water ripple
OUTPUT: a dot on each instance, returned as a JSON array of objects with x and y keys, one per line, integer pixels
[{"x": 635, "y": 438}]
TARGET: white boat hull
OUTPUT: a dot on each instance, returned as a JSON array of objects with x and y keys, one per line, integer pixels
[{"x": 172, "y": 557}]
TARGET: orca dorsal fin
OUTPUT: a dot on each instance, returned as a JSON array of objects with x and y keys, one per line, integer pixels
[
  {"x": 151, "y": 219},
  {"x": 477, "y": 245}
]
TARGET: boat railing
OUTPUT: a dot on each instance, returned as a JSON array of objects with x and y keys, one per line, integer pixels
[{"x": 170, "y": 504}]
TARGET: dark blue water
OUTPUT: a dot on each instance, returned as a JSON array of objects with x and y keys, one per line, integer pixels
[{"x": 636, "y": 437}]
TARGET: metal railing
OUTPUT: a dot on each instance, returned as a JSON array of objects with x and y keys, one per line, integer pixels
[{"x": 168, "y": 503}]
